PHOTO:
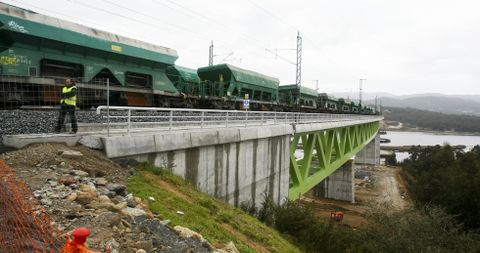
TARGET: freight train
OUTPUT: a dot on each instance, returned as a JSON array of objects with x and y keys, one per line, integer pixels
[{"x": 37, "y": 52}]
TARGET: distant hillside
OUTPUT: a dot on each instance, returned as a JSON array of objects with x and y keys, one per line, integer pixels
[
  {"x": 433, "y": 120},
  {"x": 450, "y": 104}
]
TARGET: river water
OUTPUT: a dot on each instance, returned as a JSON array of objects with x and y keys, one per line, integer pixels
[{"x": 423, "y": 138}]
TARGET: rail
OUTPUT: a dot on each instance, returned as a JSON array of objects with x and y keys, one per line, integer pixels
[{"x": 126, "y": 117}]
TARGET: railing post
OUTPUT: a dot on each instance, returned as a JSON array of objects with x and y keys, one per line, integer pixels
[
  {"x": 108, "y": 107},
  {"x": 262, "y": 119},
  {"x": 246, "y": 118},
  {"x": 170, "y": 121},
  {"x": 203, "y": 115},
  {"x": 129, "y": 120},
  {"x": 275, "y": 117},
  {"x": 226, "y": 121}
]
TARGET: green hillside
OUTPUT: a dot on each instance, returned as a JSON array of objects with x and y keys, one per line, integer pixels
[{"x": 218, "y": 222}]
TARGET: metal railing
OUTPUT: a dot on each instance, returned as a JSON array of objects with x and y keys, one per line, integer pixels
[{"x": 124, "y": 117}]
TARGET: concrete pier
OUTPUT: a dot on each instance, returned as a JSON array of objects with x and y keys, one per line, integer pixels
[
  {"x": 370, "y": 155},
  {"x": 339, "y": 185},
  {"x": 235, "y": 165}
]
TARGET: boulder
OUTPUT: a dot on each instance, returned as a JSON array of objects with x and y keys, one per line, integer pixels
[
  {"x": 84, "y": 198},
  {"x": 229, "y": 248},
  {"x": 101, "y": 181},
  {"x": 93, "y": 142},
  {"x": 117, "y": 188},
  {"x": 72, "y": 196},
  {"x": 104, "y": 199},
  {"x": 89, "y": 189},
  {"x": 187, "y": 233}
]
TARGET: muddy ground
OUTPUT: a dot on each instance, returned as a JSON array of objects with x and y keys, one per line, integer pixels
[{"x": 384, "y": 186}]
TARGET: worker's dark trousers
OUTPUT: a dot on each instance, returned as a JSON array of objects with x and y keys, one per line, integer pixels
[{"x": 70, "y": 109}]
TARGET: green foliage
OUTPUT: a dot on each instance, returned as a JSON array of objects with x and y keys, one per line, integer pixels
[
  {"x": 412, "y": 230},
  {"x": 391, "y": 159},
  {"x": 447, "y": 178},
  {"x": 433, "y": 120},
  {"x": 203, "y": 214}
]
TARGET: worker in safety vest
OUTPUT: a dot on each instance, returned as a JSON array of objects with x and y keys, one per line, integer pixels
[{"x": 68, "y": 102}]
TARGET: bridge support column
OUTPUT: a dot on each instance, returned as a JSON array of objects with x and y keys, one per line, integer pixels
[
  {"x": 339, "y": 185},
  {"x": 370, "y": 154}
]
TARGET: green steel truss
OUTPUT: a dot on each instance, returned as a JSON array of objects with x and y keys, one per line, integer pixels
[{"x": 324, "y": 152}]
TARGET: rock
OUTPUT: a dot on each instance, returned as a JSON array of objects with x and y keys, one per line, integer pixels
[
  {"x": 101, "y": 181},
  {"x": 71, "y": 154},
  {"x": 126, "y": 223},
  {"x": 138, "y": 200},
  {"x": 101, "y": 206},
  {"x": 119, "y": 199},
  {"x": 187, "y": 233},
  {"x": 229, "y": 248},
  {"x": 37, "y": 194},
  {"x": 52, "y": 183},
  {"x": 104, "y": 199},
  {"x": 137, "y": 215},
  {"x": 111, "y": 194},
  {"x": 165, "y": 222},
  {"x": 46, "y": 202},
  {"x": 84, "y": 198},
  {"x": 72, "y": 196},
  {"x": 74, "y": 186},
  {"x": 141, "y": 251},
  {"x": 89, "y": 189},
  {"x": 151, "y": 199},
  {"x": 117, "y": 188},
  {"x": 121, "y": 205},
  {"x": 109, "y": 219},
  {"x": 131, "y": 201},
  {"x": 91, "y": 142},
  {"x": 147, "y": 245},
  {"x": 79, "y": 173}
]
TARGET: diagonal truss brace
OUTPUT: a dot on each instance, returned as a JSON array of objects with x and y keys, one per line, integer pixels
[{"x": 324, "y": 152}]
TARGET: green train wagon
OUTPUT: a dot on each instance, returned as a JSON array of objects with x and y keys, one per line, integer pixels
[
  {"x": 41, "y": 49},
  {"x": 289, "y": 96},
  {"x": 232, "y": 85}
]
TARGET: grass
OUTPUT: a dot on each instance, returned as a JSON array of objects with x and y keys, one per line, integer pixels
[{"x": 218, "y": 222}]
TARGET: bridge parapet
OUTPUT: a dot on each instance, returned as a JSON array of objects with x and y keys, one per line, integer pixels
[{"x": 173, "y": 119}]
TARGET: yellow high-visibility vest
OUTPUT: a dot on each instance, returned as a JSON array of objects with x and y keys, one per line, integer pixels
[{"x": 69, "y": 101}]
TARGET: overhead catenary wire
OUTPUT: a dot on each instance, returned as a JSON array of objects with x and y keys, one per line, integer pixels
[
  {"x": 245, "y": 37},
  {"x": 199, "y": 35}
]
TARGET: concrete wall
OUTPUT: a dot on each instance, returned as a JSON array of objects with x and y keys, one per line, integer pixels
[
  {"x": 339, "y": 185},
  {"x": 370, "y": 155},
  {"x": 235, "y": 165}
]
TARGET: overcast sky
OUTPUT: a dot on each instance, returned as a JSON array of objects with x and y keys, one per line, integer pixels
[{"x": 399, "y": 46}]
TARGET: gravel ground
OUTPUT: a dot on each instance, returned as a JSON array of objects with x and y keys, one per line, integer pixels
[{"x": 44, "y": 121}]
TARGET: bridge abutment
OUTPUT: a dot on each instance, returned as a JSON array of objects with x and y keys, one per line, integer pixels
[{"x": 235, "y": 165}]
